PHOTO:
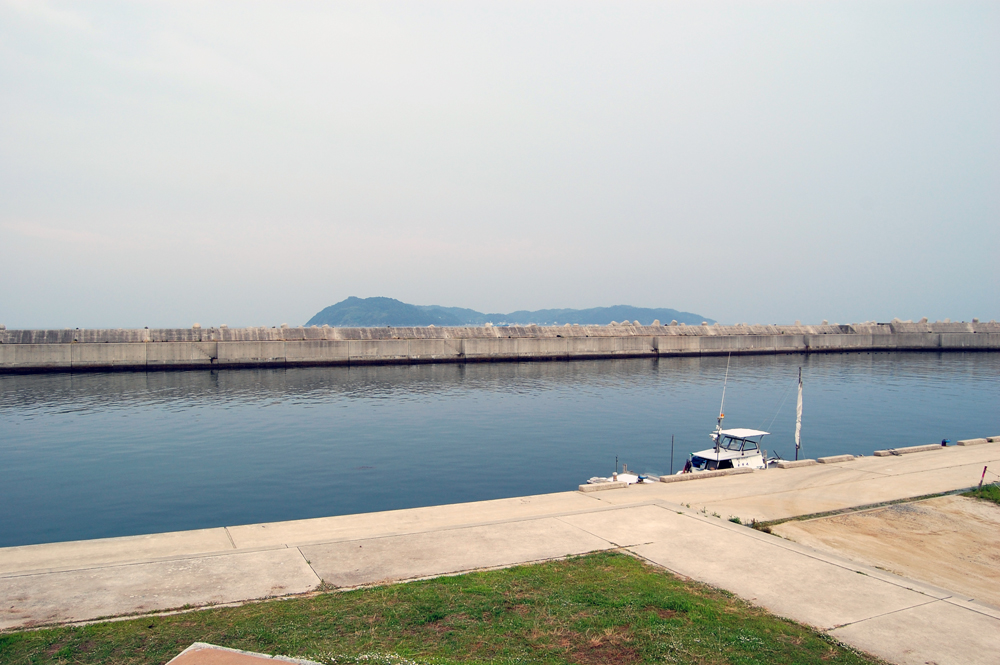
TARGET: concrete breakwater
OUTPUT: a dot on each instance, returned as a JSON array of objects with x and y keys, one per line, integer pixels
[{"x": 191, "y": 348}]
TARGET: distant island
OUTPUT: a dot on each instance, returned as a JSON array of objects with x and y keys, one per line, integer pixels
[{"x": 378, "y": 312}]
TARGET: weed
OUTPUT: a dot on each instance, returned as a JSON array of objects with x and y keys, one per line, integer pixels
[{"x": 988, "y": 493}]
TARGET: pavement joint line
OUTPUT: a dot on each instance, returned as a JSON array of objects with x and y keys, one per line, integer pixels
[
  {"x": 679, "y": 574},
  {"x": 591, "y": 533},
  {"x": 140, "y": 562},
  {"x": 469, "y": 525},
  {"x": 319, "y": 580},
  {"x": 884, "y": 614},
  {"x": 230, "y": 536},
  {"x": 264, "y": 548}
]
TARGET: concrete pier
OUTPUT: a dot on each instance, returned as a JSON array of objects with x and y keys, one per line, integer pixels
[
  {"x": 192, "y": 348},
  {"x": 681, "y": 526}
]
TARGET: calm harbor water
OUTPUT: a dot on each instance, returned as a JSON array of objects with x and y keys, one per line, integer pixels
[{"x": 97, "y": 455}]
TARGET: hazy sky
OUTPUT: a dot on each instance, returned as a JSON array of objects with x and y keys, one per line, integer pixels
[{"x": 251, "y": 163}]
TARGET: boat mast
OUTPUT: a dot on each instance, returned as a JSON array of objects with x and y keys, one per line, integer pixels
[
  {"x": 722, "y": 412},
  {"x": 798, "y": 418}
]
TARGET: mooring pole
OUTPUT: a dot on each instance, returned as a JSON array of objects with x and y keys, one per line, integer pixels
[
  {"x": 671, "y": 454},
  {"x": 981, "y": 478}
]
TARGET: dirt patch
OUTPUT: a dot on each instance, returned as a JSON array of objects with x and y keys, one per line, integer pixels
[
  {"x": 662, "y": 613},
  {"x": 604, "y": 653},
  {"x": 606, "y": 647},
  {"x": 950, "y": 541}
]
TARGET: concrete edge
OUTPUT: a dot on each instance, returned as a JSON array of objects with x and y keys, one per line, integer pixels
[
  {"x": 975, "y": 606},
  {"x": 833, "y": 459},
  {"x": 202, "y": 646},
  {"x": 794, "y": 464},
  {"x": 599, "y": 487},
  {"x": 908, "y": 449},
  {"x": 974, "y": 442},
  {"x": 701, "y": 475}
]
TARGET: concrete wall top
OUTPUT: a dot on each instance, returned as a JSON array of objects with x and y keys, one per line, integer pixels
[{"x": 263, "y": 334}]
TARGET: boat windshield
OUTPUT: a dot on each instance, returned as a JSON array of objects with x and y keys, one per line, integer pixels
[
  {"x": 702, "y": 464},
  {"x": 733, "y": 443}
]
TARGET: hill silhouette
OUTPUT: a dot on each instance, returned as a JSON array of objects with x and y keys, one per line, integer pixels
[{"x": 376, "y": 312}]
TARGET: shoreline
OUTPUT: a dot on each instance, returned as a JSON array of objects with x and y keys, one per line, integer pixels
[{"x": 679, "y": 526}]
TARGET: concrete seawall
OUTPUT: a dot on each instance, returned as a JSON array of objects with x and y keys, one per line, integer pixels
[{"x": 192, "y": 348}]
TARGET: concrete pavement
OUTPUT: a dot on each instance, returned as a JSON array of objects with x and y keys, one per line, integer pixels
[{"x": 900, "y": 619}]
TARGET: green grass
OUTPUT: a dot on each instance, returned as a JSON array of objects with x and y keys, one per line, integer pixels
[
  {"x": 988, "y": 493},
  {"x": 600, "y": 608}
]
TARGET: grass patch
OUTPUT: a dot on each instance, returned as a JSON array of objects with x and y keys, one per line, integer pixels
[
  {"x": 600, "y": 608},
  {"x": 988, "y": 493}
]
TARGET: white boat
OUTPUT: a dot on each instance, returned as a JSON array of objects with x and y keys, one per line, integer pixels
[
  {"x": 740, "y": 448},
  {"x": 734, "y": 449}
]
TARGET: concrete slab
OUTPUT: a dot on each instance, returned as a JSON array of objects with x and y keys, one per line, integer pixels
[
  {"x": 950, "y": 541},
  {"x": 77, "y": 554},
  {"x": 77, "y": 595},
  {"x": 413, "y": 520},
  {"x": 927, "y": 634},
  {"x": 815, "y": 590},
  {"x": 370, "y": 561}
]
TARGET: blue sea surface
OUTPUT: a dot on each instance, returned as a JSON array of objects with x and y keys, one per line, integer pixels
[{"x": 94, "y": 455}]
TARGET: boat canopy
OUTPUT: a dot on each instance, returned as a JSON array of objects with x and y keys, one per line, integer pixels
[{"x": 742, "y": 433}]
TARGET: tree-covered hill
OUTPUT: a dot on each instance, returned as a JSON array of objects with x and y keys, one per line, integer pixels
[{"x": 375, "y": 312}]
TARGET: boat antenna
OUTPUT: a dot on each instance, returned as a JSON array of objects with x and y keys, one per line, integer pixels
[
  {"x": 798, "y": 419},
  {"x": 722, "y": 412}
]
